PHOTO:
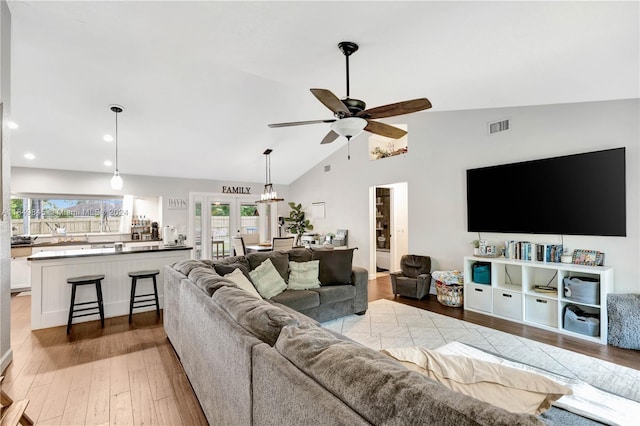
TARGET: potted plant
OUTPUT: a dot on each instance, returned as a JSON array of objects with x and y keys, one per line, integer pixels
[
  {"x": 476, "y": 247},
  {"x": 298, "y": 225}
]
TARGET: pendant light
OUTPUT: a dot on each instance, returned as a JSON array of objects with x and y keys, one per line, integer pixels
[
  {"x": 268, "y": 195},
  {"x": 116, "y": 180}
]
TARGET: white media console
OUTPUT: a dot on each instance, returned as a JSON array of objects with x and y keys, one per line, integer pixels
[{"x": 511, "y": 294}]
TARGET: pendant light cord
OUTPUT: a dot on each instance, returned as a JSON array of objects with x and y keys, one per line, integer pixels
[{"x": 116, "y": 141}]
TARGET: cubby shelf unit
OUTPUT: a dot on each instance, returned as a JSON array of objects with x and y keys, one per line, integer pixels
[{"x": 511, "y": 294}]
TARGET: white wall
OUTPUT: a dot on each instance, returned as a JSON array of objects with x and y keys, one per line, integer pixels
[
  {"x": 442, "y": 145},
  {"x": 5, "y": 161},
  {"x": 44, "y": 181}
]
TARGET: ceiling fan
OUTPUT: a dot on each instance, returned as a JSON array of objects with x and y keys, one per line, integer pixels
[{"x": 351, "y": 115}]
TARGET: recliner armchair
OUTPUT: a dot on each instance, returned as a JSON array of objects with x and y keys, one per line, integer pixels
[{"x": 414, "y": 277}]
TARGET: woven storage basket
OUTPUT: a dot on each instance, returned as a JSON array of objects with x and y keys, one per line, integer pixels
[
  {"x": 449, "y": 294},
  {"x": 449, "y": 288}
]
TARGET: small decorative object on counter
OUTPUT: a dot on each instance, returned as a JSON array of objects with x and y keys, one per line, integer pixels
[{"x": 449, "y": 287}]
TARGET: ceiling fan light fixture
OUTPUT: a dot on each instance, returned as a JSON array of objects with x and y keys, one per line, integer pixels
[{"x": 349, "y": 126}]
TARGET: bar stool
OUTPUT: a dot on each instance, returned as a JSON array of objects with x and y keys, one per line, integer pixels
[
  {"x": 135, "y": 300},
  {"x": 85, "y": 280}
]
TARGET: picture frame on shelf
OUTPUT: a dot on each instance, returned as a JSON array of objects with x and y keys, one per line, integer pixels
[{"x": 588, "y": 258}]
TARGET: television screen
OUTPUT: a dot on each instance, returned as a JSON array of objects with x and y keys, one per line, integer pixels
[{"x": 581, "y": 194}]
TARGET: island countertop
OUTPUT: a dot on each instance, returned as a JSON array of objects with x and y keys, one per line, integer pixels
[{"x": 63, "y": 254}]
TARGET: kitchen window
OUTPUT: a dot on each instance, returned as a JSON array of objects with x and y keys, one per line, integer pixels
[{"x": 60, "y": 215}]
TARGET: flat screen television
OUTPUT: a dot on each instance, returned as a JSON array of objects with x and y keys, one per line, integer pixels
[{"x": 581, "y": 194}]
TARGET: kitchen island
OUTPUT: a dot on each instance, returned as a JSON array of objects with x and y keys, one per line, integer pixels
[{"x": 51, "y": 295}]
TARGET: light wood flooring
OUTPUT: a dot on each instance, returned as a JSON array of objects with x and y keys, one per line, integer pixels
[
  {"x": 122, "y": 374},
  {"x": 129, "y": 373}
]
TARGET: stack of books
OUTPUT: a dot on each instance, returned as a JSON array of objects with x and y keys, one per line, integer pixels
[{"x": 525, "y": 250}]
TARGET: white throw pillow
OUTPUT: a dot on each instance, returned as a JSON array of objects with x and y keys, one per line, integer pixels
[
  {"x": 267, "y": 280},
  {"x": 304, "y": 275},
  {"x": 243, "y": 282}
]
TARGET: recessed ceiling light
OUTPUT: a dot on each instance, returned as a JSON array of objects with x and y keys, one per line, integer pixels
[
  {"x": 107, "y": 138},
  {"x": 108, "y": 163},
  {"x": 29, "y": 156},
  {"x": 12, "y": 125}
]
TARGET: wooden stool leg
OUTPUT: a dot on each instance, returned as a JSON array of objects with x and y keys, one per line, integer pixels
[
  {"x": 100, "y": 305},
  {"x": 134, "y": 281},
  {"x": 155, "y": 290},
  {"x": 73, "y": 302}
]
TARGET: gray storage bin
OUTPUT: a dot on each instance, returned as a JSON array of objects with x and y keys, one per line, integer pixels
[
  {"x": 582, "y": 289},
  {"x": 579, "y": 321}
]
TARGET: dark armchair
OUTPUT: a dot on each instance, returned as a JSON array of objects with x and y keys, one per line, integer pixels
[{"x": 414, "y": 278}]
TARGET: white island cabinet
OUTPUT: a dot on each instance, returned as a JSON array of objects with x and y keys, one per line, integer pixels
[{"x": 51, "y": 295}]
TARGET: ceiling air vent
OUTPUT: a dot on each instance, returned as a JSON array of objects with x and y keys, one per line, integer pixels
[
  {"x": 327, "y": 168},
  {"x": 499, "y": 126}
]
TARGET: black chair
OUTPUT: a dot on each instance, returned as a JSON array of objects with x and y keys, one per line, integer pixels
[
  {"x": 141, "y": 300},
  {"x": 414, "y": 278},
  {"x": 85, "y": 280}
]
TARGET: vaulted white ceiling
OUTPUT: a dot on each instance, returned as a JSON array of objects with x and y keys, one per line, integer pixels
[{"x": 200, "y": 81}]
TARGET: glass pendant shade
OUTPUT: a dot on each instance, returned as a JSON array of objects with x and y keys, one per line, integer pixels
[
  {"x": 116, "y": 181},
  {"x": 349, "y": 126}
]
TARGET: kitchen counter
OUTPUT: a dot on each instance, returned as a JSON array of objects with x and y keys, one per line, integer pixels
[
  {"x": 65, "y": 254},
  {"x": 50, "y": 293},
  {"x": 79, "y": 243}
]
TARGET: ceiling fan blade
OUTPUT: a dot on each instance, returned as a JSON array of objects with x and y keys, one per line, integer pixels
[
  {"x": 300, "y": 123},
  {"x": 331, "y": 136},
  {"x": 331, "y": 101},
  {"x": 398, "y": 108},
  {"x": 384, "y": 130}
]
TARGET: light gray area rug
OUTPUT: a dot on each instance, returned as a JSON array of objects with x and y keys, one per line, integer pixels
[{"x": 389, "y": 324}]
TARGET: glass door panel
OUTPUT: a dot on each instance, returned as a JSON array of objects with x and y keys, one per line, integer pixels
[
  {"x": 248, "y": 218},
  {"x": 221, "y": 215}
]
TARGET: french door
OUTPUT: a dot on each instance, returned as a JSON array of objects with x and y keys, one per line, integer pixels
[{"x": 215, "y": 218}]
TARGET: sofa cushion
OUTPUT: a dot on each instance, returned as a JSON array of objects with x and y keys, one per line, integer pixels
[
  {"x": 335, "y": 265},
  {"x": 260, "y": 318},
  {"x": 207, "y": 280},
  {"x": 303, "y": 275},
  {"x": 383, "y": 390},
  {"x": 298, "y": 299},
  {"x": 233, "y": 260},
  {"x": 227, "y": 268},
  {"x": 335, "y": 293},
  {"x": 280, "y": 260},
  {"x": 300, "y": 255},
  {"x": 267, "y": 280},
  {"x": 185, "y": 266},
  {"x": 238, "y": 277}
]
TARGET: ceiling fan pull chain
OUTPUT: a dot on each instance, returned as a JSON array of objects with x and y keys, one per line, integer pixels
[{"x": 348, "y": 148}]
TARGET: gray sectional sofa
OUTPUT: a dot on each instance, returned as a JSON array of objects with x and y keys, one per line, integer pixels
[{"x": 258, "y": 362}]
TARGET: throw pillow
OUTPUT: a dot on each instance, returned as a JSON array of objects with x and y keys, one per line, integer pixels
[
  {"x": 304, "y": 275},
  {"x": 514, "y": 390},
  {"x": 267, "y": 280},
  {"x": 279, "y": 259},
  {"x": 237, "y": 276},
  {"x": 335, "y": 265}
]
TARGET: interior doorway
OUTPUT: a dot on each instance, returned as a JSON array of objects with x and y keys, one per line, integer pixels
[{"x": 389, "y": 227}]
